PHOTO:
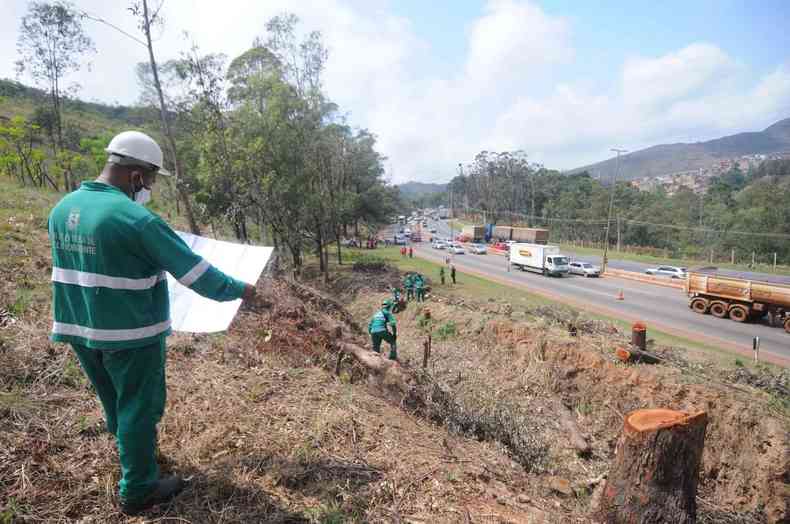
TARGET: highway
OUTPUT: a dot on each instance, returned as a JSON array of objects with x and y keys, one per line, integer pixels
[{"x": 663, "y": 308}]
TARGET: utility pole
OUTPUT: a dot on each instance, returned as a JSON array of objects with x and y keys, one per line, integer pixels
[{"x": 611, "y": 207}]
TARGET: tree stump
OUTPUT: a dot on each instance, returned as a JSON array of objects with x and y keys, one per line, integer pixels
[{"x": 656, "y": 468}]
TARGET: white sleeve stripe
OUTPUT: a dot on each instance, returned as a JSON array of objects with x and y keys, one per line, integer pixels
[{"x": 195, "y": 273}]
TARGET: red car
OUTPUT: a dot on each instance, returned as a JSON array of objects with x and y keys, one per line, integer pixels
[{"x": 502, "y": 246}]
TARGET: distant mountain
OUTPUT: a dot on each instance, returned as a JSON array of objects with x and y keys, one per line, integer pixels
[
  {"x": 417, "y": 189},
  {"x": 673, "y": 158}
]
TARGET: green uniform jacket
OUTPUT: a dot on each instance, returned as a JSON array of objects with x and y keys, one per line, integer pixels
[
  {"x": 379, "y": 321},
  {"x": 109, "y": 257}
]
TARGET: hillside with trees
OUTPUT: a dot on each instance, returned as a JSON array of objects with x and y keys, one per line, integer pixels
[
  {"x": 671, "y": 158},
  {"x": 740, "y": 213},
  {"x": 270, "y": 157}
]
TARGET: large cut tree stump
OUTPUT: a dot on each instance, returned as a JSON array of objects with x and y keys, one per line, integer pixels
[{"x": 655, "y": 471}]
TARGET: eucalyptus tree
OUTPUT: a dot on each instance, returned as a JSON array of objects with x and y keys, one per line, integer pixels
[{"x": 51, "y": 45}]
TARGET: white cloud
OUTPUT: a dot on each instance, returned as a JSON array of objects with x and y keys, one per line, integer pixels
[
  {"x": 514, "y": 37},
  {"x": 665, "y": 79},
  {"x": 695, "y": 93},
  {"x": 510, "y": 92}
]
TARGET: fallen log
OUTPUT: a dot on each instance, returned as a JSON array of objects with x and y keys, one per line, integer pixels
[
  {"x": 575, "y": 436},
  {"x": 323, "y": 303},
  {"x": 656, "y": 468},
  {"x": 385, "y": 375},
  {"x": 633, "y": 354}
]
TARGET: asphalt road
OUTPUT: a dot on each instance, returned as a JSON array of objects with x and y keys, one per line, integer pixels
[
  {"x": 662, "y": 307},
  {"x": 443, "y": 230}
]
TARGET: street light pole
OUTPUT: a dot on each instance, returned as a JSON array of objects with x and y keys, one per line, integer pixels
[{"x": 611, "y": 207}]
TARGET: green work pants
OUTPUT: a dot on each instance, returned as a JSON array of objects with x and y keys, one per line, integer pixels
[
  {"x": 377, "y": 337},
  {"x": 420, "y": 294},
  {"x": 409, "y": 293},
  {"x": 130, "y": 384}
]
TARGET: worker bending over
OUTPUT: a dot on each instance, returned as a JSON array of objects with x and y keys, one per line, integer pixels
[{"x": 377, "y": 327}]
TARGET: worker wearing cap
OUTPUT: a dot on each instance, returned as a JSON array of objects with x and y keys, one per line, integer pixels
[
  {"x": 377, "y": 327},
  {"x": 110, "y": 302}
]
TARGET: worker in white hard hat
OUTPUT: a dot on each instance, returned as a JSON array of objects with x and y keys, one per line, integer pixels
[{"x": 111, "y": 303}]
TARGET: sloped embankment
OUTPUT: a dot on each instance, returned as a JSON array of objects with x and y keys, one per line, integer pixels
[{"x": 526, "y": 366}]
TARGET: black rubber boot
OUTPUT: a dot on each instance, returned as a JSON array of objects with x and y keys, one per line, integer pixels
[{"x": 166, "y": 489}]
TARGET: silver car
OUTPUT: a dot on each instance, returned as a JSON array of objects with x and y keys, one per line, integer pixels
[
  {"x": 585, "y": 269},
  {"x": 478, "y": 249},
  {"x": 668, "y": 271},
  {"x": 456, "y": 248}
]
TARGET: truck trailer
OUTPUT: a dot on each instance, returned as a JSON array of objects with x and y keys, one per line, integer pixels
[
  {"x": 739, "y": 296},
  {"x": 474, "y": 233},
  {"x": 530, "y": 235},
  {"x": 539, "y": 258}
]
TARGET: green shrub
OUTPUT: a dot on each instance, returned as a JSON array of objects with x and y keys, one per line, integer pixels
[{"x": 446, "y": 330}]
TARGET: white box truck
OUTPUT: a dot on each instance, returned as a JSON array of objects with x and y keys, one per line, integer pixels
[{"x": 539, "y": 258}]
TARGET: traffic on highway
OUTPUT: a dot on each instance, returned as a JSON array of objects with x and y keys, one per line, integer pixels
[{"x": 664, "y": 308}]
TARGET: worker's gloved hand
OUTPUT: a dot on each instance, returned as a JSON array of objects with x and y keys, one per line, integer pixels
[{"x": 249, "y": 293}]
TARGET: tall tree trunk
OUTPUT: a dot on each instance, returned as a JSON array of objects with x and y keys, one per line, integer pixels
[{"x": 182, "y": 194}]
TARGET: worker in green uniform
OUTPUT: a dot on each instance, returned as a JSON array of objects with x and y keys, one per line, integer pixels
[
  {"x": 377, "y": 327},
  {"x": 419, "y": 287},
  {"x": 110, "y": 302},
  {"x": 408, "y": 283},
  {"x": 441, "y": 274},
  {"x": 395, "y": 300}
]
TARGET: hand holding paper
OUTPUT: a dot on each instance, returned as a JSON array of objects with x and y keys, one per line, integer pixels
[{"x": 195, "y": 314}]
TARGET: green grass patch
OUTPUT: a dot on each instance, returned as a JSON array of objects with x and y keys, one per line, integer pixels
[
  {"x": 446, "y": 330},
  {"x": 468, "y": 286}
]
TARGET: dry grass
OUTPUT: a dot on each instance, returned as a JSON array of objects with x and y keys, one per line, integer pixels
[{"x": 266, "y": 432}]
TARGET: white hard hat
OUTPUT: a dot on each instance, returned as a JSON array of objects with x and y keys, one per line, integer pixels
[{"x": 134, "y": 145}]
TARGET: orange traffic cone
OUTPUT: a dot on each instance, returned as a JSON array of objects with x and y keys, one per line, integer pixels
[{"x": 620, "y": 295}]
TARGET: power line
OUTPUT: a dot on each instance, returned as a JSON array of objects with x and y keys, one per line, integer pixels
[
  {"x": 105, "y": 22},
  {"x": 596, "y": 222}
]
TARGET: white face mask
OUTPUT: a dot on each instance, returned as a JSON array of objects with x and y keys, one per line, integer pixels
[{"x": 143, "y": 196}]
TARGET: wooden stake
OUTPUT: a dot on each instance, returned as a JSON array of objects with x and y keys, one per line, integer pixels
[{"x": 656, "y": 468}]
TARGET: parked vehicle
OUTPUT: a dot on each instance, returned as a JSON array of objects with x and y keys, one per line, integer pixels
[
  {"x": 439, "y": 244},
  {"x": 502, "y": 246},
  {"x": 539, "y": 258},
  {"x": 432, "y": 230},
  {"x": 585, "y": 269},
  {"x": 478, "y": 249},
  {"x": 456, "y": 248},
  {"x": 668, "y": 271},
  {"x": 740, "y": 296}
]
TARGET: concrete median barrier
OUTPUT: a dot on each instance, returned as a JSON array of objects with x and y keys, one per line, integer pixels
[{"x": 640, "y": 277}]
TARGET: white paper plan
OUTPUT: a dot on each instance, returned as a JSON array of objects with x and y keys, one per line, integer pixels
[{"x": 192, "y": 313}]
